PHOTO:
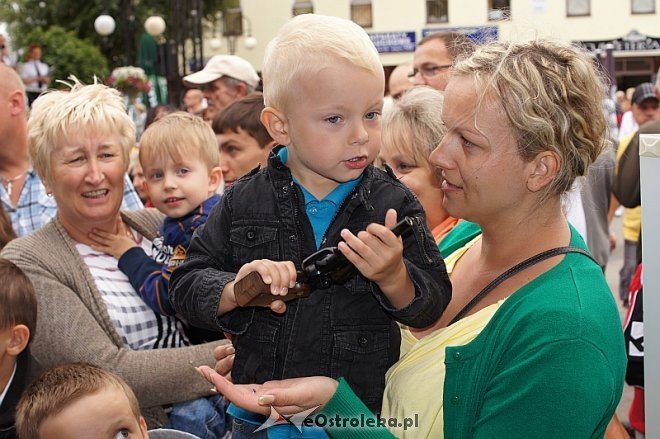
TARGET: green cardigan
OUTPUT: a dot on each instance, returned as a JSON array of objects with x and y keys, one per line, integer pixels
[{"x": 550, "y": 363}]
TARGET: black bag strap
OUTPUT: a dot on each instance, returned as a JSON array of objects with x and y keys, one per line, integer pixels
[{"x": 515, "y": 270}]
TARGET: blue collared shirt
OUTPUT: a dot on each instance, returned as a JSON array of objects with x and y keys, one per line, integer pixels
[{"x": 322, "y": 212}]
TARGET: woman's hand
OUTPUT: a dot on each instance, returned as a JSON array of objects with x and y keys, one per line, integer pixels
[
  {"x": 115, "y": 244},
  {"x": 287, "y": 396},
  {"x": 224, "y": 357}
]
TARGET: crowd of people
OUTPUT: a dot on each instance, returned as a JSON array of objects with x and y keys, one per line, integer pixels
[{"x": 450, "y": 246}]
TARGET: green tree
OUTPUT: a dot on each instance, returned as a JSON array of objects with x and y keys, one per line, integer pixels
[
  {"x": 78, "y": 17},
  {"x": 68, "y": 55}
]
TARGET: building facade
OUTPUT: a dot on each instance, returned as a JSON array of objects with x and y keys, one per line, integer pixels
[{"x": 623, "y": 34}]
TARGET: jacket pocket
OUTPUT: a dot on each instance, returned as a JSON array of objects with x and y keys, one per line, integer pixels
[
  {"x": 256, "y": 349},
  {"x": 360, "y": 354},
  {"x": 358, "y": 285},
  {"x": 254, "y": 242}
]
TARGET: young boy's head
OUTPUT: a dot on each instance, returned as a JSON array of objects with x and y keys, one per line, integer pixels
[
  {"x": 79, "y": 401},
  {"x": 179, "y": 157},
  {"x": 243, "y": 140},
  {"x": 323, "y": 89},
  {"x": 18, "y": 317}
]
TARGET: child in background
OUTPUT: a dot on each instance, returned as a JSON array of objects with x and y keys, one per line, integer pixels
[
  {"x": 18, "y": 322},
  {"x": 137, "y": 176},
  {"x": 79, "y": 401},
  {"x": 412, "y": 128},
  {"x": 323, "y": 90},
  {"x": 243, "y": 140},
  {"x": 179, "y": 156}
]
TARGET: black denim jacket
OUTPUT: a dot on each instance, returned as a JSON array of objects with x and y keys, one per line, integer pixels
[{"x": 345, "y": 331}]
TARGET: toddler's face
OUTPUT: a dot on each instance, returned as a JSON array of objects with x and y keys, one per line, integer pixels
[
  {"x": 239, "y": 154},
  {"x": 334, "y": 126},
  {"x": 176, "y": 188},
  {"x": 105, "y": 414}
]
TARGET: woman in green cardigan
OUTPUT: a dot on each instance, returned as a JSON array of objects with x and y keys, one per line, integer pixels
[{"x": 541, "y": 354}]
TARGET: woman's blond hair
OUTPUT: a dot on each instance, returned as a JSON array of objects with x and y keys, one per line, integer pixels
[
  {"x": 60, "y": 115},
  {"x": 413, "y": 125},
  {"x": 552, "y": 95}
]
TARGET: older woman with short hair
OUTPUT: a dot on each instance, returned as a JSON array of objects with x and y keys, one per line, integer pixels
[
  {"x": 531, "y": 350},
  {"x": 80, "y": 142},
  {"x": 411, "y": 129}
]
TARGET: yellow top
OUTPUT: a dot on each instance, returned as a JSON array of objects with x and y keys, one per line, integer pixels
[
  {"x": 632, "y": 218},
  {"x": 414, "y": 385}
]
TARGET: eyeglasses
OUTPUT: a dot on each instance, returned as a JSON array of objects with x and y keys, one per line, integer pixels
[{"x": 428, "y": 71}]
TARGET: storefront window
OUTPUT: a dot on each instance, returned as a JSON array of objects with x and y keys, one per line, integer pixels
[
  {"x": 302, "y": 7},
  {"x": 361, "y": 12},
  {"x": 499, "y": 9},
  {"x": 437, "y": 11},
  {"x": 642, "y": 7},
  {"x": 578, "y": 8}
]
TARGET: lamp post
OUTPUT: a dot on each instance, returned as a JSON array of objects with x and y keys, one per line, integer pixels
[
  {"x": 232, "y": 29},
  {"x": 104, "y": 25},
  {"x": 609, "y": 64}
]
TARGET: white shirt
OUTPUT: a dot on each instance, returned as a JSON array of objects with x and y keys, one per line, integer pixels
[
  {"x": 32, "y": 68},
  {"x": 628, "y": 125},
  {"x": 574, "y": 209}
]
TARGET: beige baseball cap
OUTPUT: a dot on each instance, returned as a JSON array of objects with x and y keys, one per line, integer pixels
[{"x": 224, "y": 65}]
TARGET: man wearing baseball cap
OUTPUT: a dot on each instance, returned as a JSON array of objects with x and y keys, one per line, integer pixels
[
  {"x": 224, "y": 79},
  {"x": 644, "y": 104}
]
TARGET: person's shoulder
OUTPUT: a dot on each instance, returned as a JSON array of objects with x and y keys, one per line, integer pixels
[
  {"x": 34, "y": 246},
  {"x": 570, "y": 301},
  {"x": 462, "y": 233},
  {"x": 385, "y": 179},
  {"x": 652, "y": 127},
  {"x": 257, "y": 176},
  {"x": 146, "y": 221}
]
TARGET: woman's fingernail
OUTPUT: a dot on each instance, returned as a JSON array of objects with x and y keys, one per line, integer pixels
[
  {"x": 214, "y": 390},
  {"x": 231, "y": 350},
  {"x": 266, "y": 400}
]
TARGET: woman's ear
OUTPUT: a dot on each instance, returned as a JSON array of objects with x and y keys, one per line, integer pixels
[
  {"x": 276, "y": 124},
  {"x": 545, "y": 168}
]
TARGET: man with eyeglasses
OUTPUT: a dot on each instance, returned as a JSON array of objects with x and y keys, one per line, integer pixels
[{"x": 434, "y": 56}]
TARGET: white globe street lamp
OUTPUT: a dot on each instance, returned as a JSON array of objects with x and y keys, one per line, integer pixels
[
  {"x": 154, "y": 25},
  {"x": 215, "y": 43},
  {"x": 250, "y": 42},
  {"x": 104, "y": 25}
]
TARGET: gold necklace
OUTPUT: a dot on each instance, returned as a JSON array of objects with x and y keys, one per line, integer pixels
[{"x": 9, "y": 182}]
